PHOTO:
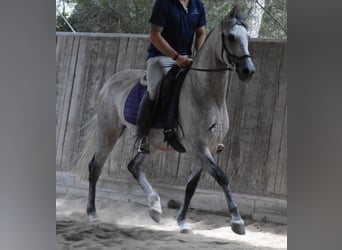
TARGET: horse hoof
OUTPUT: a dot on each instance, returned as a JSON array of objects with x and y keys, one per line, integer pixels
[
  {"x": 93, "y": 217},
  {"x": 184, "y": 227},
  {"x": 155, "y": 207},
  {"x": 155, "y": 215},
  {"x": 238, "y": 227}
]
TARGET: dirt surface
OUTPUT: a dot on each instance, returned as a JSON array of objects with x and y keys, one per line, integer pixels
[{"x": 126, "y": 225}]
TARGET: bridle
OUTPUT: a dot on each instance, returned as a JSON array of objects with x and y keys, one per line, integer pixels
[{"x": 233, "y": 60}]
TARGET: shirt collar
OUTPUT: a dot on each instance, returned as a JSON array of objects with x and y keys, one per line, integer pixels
[{"x": 190, "y": 2}]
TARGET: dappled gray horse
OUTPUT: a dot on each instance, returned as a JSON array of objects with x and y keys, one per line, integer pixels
[{"x": 203, "y": 116}]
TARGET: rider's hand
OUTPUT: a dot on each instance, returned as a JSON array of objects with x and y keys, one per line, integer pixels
[{"x": 183, "y": 61}]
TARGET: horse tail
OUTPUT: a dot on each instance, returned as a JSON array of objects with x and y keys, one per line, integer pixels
[{"x": 89, "y": 139}]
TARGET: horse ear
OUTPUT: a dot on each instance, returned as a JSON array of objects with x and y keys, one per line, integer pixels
[
  {"x": 246, "y": 13},
  {"x": 233, "y": 13}
]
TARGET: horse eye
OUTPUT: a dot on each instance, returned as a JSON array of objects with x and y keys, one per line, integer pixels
[{"x": 231, "y": 38}]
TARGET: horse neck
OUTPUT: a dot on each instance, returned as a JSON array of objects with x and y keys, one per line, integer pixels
[{"x": 213, "y": 84}]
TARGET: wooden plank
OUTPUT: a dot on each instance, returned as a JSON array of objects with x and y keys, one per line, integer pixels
[
  {"x": 283, "y": 152},
  {"x": 273, "y": 162},
  {"x": 71, "y": 58},
  {"x": 61, "y": 50},
  {"x": 83, "y": 65},
  {"x": 140, "y": 59},
  {"x": 282, "y": 180}
]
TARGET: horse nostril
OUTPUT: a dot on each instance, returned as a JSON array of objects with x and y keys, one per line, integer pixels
[{"x": 246, "y": 71}]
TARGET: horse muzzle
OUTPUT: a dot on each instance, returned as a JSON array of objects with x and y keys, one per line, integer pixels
[{"x": 245, "y": 69}]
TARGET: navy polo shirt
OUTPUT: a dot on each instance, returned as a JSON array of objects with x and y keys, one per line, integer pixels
[{"x": 179, "y": 25}]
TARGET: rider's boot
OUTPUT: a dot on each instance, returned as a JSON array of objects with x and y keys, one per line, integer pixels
[
  {"x": 171, "y": 138},
  {"x": 143, "y": 124}
]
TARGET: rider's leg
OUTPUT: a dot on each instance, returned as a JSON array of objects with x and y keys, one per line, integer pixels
[
  {"x": 157, "y": 67},
  {"x": 143, "y": 123}
]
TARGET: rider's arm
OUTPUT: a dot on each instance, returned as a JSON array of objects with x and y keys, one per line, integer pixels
[
  {"x": 164, "y": 47},
  {"x": 160, "y": 43}
]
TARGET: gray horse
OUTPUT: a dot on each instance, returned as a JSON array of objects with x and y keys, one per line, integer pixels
[{"x": 203, "y": 117}]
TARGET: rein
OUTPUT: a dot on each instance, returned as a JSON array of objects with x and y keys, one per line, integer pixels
[
  {"x": 208, "y": 70},
  {"x": 212, "y": 70}
]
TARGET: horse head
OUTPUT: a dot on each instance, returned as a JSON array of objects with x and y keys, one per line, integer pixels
[{"x": 235, "y": 43}]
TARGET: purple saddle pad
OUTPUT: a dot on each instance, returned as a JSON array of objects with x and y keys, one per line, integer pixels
[
  {"x": 132, "y": 102},
  {"x": 161, "y": 120},
  {"x": 165, "y": 108}
]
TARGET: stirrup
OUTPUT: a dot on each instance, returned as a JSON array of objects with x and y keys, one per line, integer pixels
[
  {"x": 144, "y": 145},
  {"x": 171, "y": 138}
]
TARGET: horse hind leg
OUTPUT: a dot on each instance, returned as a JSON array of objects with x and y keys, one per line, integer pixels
[
  {"x": 153, "y": 198},
  {"x": 106, "y": 138}
]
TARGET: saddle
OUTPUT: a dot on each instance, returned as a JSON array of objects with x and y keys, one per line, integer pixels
[{"x": 165, "y": 108}]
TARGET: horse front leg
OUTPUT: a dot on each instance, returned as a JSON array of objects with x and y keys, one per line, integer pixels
[
  {"x": 189, "y": 192},
  {"x": 153, "y": 198},
  {"x": 237, "y": 223}
]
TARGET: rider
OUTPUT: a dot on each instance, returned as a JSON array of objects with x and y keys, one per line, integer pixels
[{"x": 172, "y": 29}]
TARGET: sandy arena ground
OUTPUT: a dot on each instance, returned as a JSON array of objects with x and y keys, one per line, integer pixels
[{"x": 128, "y": 226}]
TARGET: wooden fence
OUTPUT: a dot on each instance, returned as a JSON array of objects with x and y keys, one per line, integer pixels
[{"x": 255, "y": 154}]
